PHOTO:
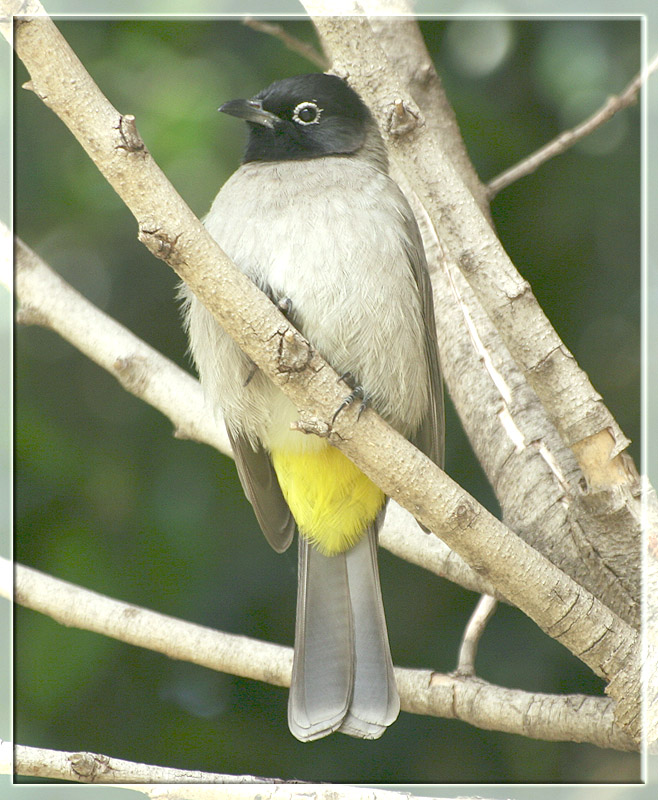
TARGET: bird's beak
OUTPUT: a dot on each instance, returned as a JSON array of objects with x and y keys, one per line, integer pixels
[{"x": 250, "y": 110}]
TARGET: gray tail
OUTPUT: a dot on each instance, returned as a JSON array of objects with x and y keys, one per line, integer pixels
[{"x": 342, "y": 677}]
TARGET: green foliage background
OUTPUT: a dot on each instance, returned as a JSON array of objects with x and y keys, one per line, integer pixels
[{"x": 107, "y": 498}]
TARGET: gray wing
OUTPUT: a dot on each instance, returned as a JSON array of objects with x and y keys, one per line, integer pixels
[
  {"x": 430, "y": 437},
  {"x": 262, "y": 488}
]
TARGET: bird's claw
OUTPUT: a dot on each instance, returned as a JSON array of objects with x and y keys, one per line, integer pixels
[
  {"x": 358, "y": 392},
  {"x": 253, "y": 369},
  {"x": 284, "y": 305}
]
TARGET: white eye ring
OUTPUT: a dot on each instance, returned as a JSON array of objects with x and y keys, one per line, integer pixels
[{"x": 302, "y": 107}]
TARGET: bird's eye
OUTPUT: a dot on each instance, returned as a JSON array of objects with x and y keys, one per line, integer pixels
[{"x": 307, "y": 113}]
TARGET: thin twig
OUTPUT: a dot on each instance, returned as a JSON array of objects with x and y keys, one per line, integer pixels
[
  {"x": 166, "y": 783},
  {"x": 542, "y": 716},
  {"x": 475, "y": 627},
  {"x": 85, "y": 767},
  {"x": 277, "y": 792},
  {"x": 569, "y": 137},
  {"x": 291, "y": 42}
]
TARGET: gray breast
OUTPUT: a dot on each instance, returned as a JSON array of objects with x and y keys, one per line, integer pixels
[{"x": 330, "y": 234}]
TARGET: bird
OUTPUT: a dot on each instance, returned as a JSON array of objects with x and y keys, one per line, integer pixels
[{"x": 314, "y": 219}]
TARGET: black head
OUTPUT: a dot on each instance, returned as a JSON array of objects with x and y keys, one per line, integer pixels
[{"x": 307, "y": 116}]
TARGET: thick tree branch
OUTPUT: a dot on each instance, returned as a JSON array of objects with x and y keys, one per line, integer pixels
[
  {"x": 46, "y": 299},
  {"x": 553, "y": 717},
  {"x": 519, "y": 449},
  {"x": 400, "y": 38},
  {"x": 566, "y": 393},
  {"x": 535, "y": 476},
  {"x": 570, "y": 137},
  {"x": 561, "y": 607}
]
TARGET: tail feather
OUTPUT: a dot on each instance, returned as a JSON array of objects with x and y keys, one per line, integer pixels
[
  {"x": 342, "y": 672},
  {"x": 375, "y": 701},
  {"x": 322, "y": 675}
]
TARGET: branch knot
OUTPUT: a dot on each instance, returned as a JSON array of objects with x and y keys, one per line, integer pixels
[
  {"x": 312, "y": 425},
  {"x": 402, "y": 118},
  {"x": 132, "y": 372},
  {"x": 130, "y": 138},
  {"x": 160, "y": 243},
  {"x": 89, "y": 765},
  {"x": 295, "y": 353}
]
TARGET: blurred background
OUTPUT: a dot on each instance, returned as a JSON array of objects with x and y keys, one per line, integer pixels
[{"x": 105, "y": 496}]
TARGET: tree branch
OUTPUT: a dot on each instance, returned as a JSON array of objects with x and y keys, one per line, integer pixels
[
  {"x": 566, "y": 393},
  {"x": 593, "y": 535},
  {"x": 484, "y": 610},
  {"x": 84, "y": 767},
  {"x": 535, "y": 476},
  {"x": 163, "y": 783},
  {"x": 553, "y": 717},
  {"x": 47, "y": 300},
  {"x": 569, "y": 138},
  {"x": 467, "y": 240}
]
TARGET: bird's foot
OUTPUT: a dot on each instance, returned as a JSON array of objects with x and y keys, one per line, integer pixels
[{"x": 357, "y": 393}]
